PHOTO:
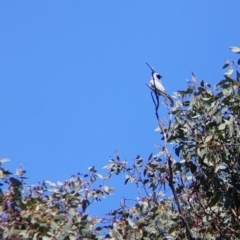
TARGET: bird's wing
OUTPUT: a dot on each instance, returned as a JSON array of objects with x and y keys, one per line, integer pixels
[
  {"x": 160, "y": 90},
  {"x": 164, "y": 94},
  {"x": 157, "y": 84}
]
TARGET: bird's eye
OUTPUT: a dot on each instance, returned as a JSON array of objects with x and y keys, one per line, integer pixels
[{"x": 158, "y": 76}]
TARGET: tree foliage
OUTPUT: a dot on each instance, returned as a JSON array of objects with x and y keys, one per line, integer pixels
[{"x": 188, "y": 191}]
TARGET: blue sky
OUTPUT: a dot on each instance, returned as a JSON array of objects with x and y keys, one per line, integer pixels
[{"x": 73, "y": 74}]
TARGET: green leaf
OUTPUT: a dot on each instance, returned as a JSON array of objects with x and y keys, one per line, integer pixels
[
  {"x": 131, "y": 223},
  {"x": 186, "y": 103},
  {"x": 126, "y": 181},
  {"x": 229, "y": 72},
  {"x": 92, "y": 169},
  {"x": 196, "y": 116},
  {"x": 222, "y": 126},
  {"x": 51, "y": 183},
  {"x": 227, "y": 63},
  {"x": 54, "y": 225},
  {"x": 238, "y": 76},
  {"x": 85, "y": 204},
  {"x": 201, "y": 152},
  {"x": 193, "y": 167},
  {"x": 182, "y": 93},
  {"x": 15, "y": 182},
  {"x": 98, "y": 175},
  {"x": 235, "y": 49},
  {"x": 150, "y": 157},
  {"x": 59, "y": 217},
  {"x": 193, "y": 77},
  {"x": 221, "y": 167},
  {"x": 208, "y": 139},
  {"x": 3, "y": 160},
  {"x": 177, "y": 150},
  {"x": 145, "y": 181}
]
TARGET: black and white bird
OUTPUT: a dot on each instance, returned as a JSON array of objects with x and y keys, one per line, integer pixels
[{"x": 156, "y": 85}]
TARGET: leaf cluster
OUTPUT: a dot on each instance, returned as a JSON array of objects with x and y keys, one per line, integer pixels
[{"x": 188, "y": 191}]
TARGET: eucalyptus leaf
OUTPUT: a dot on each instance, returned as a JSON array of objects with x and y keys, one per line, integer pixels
[
  {"x": 235, "y": 49},
  {"x": 229, "y": 72},
  {"x": 227, "y": 63}
]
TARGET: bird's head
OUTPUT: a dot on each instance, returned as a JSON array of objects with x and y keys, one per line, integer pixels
[{"x": 156, "y": 76}]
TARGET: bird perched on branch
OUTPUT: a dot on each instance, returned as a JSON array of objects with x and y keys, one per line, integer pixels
[{"x": 156, "y": 85}]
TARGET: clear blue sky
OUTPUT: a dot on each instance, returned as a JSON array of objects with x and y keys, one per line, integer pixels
[{"x": 73, "y": 74}]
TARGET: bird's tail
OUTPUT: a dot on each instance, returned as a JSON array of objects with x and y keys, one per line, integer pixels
[{"x": 169, "y": 98}]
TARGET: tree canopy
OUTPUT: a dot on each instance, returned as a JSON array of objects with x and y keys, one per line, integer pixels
[{"x": 190, "y": 189}]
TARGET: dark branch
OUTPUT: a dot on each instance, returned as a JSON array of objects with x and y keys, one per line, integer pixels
[{"x": 170, "y": 178}]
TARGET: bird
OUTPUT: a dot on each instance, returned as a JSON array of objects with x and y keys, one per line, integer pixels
[{"x": 155, "y": 84}]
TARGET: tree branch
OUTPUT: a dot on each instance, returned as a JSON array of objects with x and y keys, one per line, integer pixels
[{"x": 170, "y": 178}]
